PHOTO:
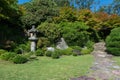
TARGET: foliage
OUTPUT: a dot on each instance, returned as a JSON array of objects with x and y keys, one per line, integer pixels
[
  {"x": 48, "y": 53},
  {"x": 75, "y": 33},
  {"x": 22, "y": 48},
  {"x": 112, "y": 42},
  {"x": 38, "y": 11},
  {"x": 67, "y": 51},
  {"x": 76, "y": 50},
  {"x": 2, "y": 51},
  {"x": 66, "y": 14},
  {"x": 39, "y": 52},
  {"x": 19, "y": 59},
  {"x": 51, "y": 31},
  {"x": 43, "y": 42},
  {"x": 89, "y": 45},
  {"x": 85, "y": 51},
  {"x": 83, "y": 4},
  {"x": 8, "y": 56},
  {"x": 55, "y": 54},
  {"x": 10, "y": 24}
]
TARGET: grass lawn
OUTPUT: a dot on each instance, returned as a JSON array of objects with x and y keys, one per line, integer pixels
[
  {"x": 117, "y": 59},
  {"x": 46, "y": 68}
]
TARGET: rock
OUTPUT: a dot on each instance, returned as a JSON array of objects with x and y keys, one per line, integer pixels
[
  {"x": 50, "y": 49},
  {"x": 62, "y": 44}
]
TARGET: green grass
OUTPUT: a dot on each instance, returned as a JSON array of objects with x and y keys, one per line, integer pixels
[
  {"x": 117, "y": 59},
  {"x": 46, "y": 68}
]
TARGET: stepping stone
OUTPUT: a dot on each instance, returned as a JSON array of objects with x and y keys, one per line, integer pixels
[{"x": 116, "y": 67}]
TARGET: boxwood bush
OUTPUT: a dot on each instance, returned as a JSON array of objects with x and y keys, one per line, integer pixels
[
  {"x": 113, "y": 42},
  {"x": 19, "y": 59},
  {"x": 55, "y": 54}
]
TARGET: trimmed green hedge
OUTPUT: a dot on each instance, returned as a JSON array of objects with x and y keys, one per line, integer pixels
[{"x": 113, "y": 42}]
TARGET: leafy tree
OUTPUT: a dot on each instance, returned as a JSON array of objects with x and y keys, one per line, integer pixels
[
  {"x": 10, "y": 25},
  {"x": 82, "y": 4},
  {"x": 75, "y": 33},
  {"x": 38, "y": 11},
  {"x": 51, "y": 31},
  {"x": 66, "y": 14}
]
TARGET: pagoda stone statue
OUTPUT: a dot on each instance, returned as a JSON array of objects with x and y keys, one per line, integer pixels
[{"x": 32, "y": 32}]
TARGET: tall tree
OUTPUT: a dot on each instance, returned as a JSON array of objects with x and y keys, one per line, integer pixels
[
  {"x": 82, "y": 4},
  {"x": 38, "y": 11},
  {"x": 10, "y": 28}
]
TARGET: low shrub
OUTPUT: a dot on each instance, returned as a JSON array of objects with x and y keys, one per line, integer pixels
[
  {"x": 76, "y": 50},
  {"x": 39, "y": 52},
  {"x": 48, "y": 53},
  {"x": 2, "y": 51},
  {"x": 90, "y": 44},
  {"x": 19, "y": 59},
  {"x": 55, "y": 55},
  {"x": 8, "y": 56},
  {"x": 18, "y": 50},
  {"x": 85, "y": 51},
  {"x": 68, "y": 51}
]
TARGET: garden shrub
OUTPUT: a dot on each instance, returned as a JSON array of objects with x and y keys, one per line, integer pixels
[
  {"x": 2, "y": 51},
  {"x": 19, "y": 59},
  {"x": 43, "y": 42},
  {"x": 113, "y": 42},
  {"x": 89, "y": 45},
  {"x": 85, "y": 51},
  {"x": 22, "y": 48},
  {"x": 55, "y": 55},
  {"x": 18, "y": 50},
  {"x": 67, "y": 51},
  {"x": 48, "y": 53},
  {"x": 39, "y": 52},
  {"x": 8, "y": 56},
  {"x": 76, "y": 50}
]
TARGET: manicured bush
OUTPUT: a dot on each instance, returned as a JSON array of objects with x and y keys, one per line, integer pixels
[
  {"x": 19, "y": 59},
  {"x": 67, "y": 51},
  {"x": 8, "y": 56},
  {"x": 55, "y": 55},
  {"x": 113, "y": 42},
  {"x": 48, "y": 53},
  {"x": 39, "y": 52}
]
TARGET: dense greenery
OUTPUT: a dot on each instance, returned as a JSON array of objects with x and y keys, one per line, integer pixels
[{"x": 112, "y": 42}]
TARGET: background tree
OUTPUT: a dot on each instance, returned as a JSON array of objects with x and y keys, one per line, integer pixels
[
  {"x": 10, "y": 25},
  {"x": 38, "y": 11}
]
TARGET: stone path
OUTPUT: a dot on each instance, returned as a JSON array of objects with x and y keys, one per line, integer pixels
[{"x": 104, "y": 68}]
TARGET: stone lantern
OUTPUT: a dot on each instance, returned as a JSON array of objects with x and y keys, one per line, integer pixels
[{"x": 32, "y": 32}]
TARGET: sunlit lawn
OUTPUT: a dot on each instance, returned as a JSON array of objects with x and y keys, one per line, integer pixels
[
  {"x": 117, "y": 59},
  {"x": 46, "y": 68}
]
